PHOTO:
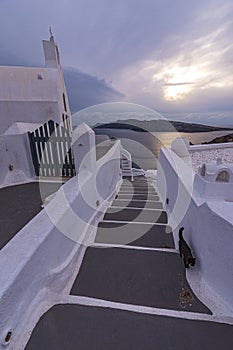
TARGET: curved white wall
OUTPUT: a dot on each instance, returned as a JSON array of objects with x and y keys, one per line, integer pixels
[{"x": 207, "y": 229}]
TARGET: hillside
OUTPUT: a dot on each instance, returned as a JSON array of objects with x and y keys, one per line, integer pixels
[
  {"x": 159, "y": 126},
  {"x": 221, "y": 139}
]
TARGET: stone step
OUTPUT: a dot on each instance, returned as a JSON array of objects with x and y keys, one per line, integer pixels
[
  {"x": 135, "y": 183},
  {"x": 137, "y": 204},
  {"x": 137, "y": 190},
  {"x": 136, "y": 178},
  {"x": 141, "y": 235},
  {"x": 72, "y": 326},
  {"x": 138, "y": 196},
  {"x": 136, "y": 215},
  {"x": 127, "y": 172},
  {"x": 143, "y": 187},
  {"x": 138, "y": 277}
]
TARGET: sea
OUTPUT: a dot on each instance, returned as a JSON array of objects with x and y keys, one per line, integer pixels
[{"x": 145, "y": 146}]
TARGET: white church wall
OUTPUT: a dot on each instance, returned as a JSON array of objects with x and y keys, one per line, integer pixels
[
  {"x": 21, "y": 128},
  {"x": 34, "y": 95},
  {"x": 22, "y": 111},
  {"x": 28, "y": 84},
  {"x": 52, "y": 60}
]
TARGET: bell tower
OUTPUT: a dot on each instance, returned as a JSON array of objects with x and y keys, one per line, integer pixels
[{"x": 51, "y": 53}]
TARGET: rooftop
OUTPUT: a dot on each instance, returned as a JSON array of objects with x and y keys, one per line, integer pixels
[{"x": 203, "y": 154}]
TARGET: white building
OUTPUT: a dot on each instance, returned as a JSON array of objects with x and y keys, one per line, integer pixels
[{"x": 34, "y": 95}]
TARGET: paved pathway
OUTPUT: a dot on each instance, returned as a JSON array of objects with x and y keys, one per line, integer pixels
[
  {"x": 74, "y": 327},
  {"x": 133, "y": 263},
  {"x": 19, "y": 204}
]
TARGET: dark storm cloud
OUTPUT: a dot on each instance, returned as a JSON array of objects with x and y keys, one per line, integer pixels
[{"x": 85, "y": 90}]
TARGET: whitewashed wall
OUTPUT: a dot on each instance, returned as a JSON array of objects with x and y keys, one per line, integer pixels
[
  {"x": 15, "y": 151},
  {"x": 207, "y": 229},
  {"x": 28, "y": 112}
]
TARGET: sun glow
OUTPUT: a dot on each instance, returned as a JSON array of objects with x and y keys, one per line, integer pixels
[
  {"x": 203, "y": 65},
  {"x": 179, "y": 81},
  {"x": 175, "y": 92}
]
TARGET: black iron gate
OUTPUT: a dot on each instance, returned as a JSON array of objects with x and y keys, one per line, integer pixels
[{"x": 51, "y": 150}]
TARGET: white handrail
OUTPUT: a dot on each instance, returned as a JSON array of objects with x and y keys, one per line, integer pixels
[{"x": 126, "y": 154}]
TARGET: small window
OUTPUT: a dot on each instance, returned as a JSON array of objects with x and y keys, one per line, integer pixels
[
  {"x": 223, "y": 176},
  {"x": 64, "y": 102},
  {"x": 203, "y": 170},
  {"x": 68, "y": 122}
]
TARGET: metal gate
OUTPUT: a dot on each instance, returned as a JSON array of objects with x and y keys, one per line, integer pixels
[{"x": 51, "y": 150}]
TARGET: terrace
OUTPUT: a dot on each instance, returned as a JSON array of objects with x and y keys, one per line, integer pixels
[{"x": 101, "y": 264}]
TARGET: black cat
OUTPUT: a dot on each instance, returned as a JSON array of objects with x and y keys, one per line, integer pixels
[{"x": 185, "y": 251}]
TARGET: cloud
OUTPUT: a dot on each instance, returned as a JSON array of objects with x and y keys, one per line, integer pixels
[
  {"x": 85, "y": 90},
  {"x": 196, "y": 75},
  {"x": 99, "y": 37},
  {"x": 171, "y": 55}
]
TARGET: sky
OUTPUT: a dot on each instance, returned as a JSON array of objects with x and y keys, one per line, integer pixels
[{"x": 174, "y": 56}]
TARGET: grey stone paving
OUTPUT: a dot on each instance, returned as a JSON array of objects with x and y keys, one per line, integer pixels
[
  {"x": 140, "y": 277},
  {"x": 131, "y": 276},
  {"x": 136, "y": 178},
  {"x": 74, "y": 327},
  {"x": 143, "y": 196},
  {"x": 137, "y": 190},
  {"x": 137, "y": 215},
  {"x": 132, "y": 185},
  {"x": 141, "y": 189},
  {"x": 141, "y": 235},
  {"x": 137, "y": 196},
  {"x": 137, "y": 204},
  {"x": 19, "y": 204}
]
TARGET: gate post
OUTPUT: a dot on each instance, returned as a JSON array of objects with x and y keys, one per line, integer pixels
[{"x": 84, "y": 150}]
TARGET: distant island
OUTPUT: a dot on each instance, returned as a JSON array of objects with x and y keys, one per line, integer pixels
[{"x": 159, "y": 126}]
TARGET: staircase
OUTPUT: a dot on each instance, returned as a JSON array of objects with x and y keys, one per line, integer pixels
[
  {"x": 131, "y": 291},
  {"x": 126, "y": 165}
]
